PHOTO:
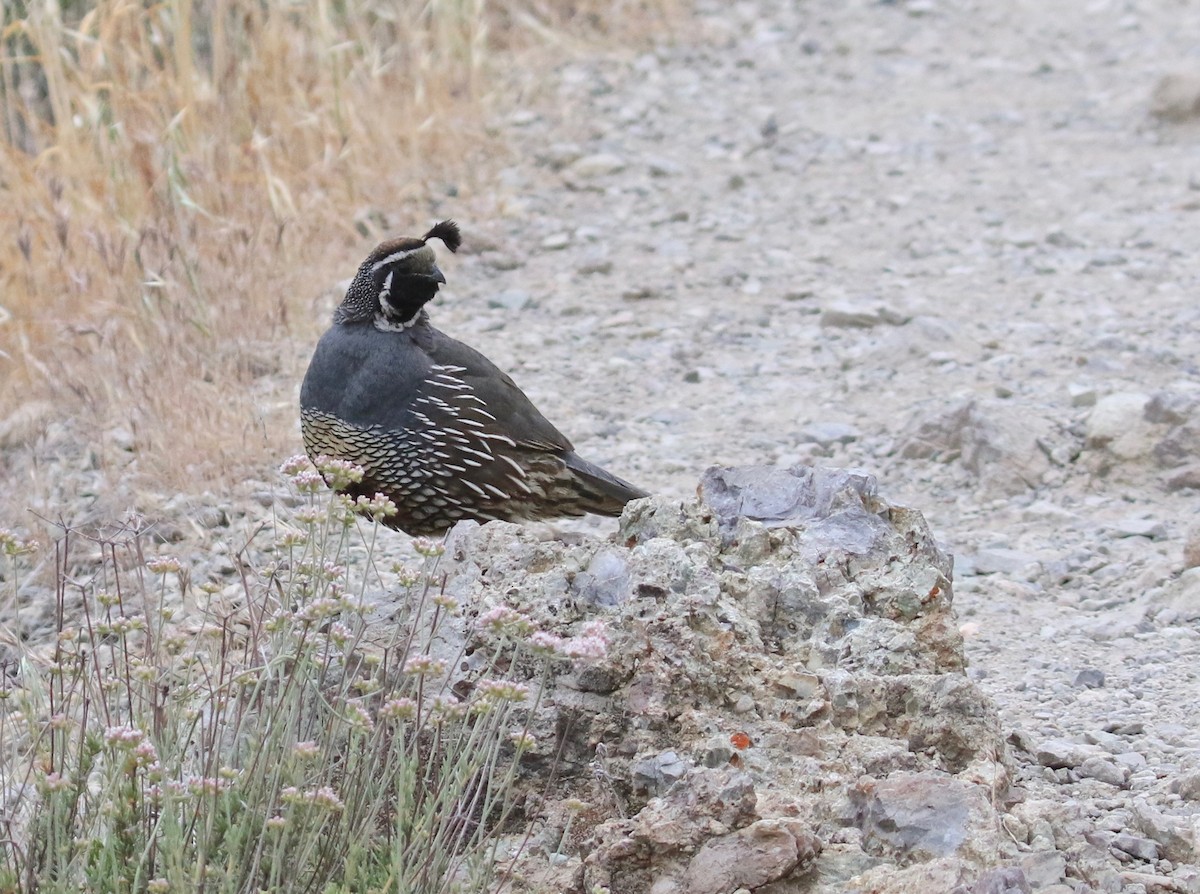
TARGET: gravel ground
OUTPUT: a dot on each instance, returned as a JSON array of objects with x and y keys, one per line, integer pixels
[{"x": 949, "y": 244}]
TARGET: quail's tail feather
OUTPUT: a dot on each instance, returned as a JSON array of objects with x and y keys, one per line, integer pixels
[{"x": 599, "y": 491}]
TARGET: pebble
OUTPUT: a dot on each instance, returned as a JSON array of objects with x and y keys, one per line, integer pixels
[
  {"x": 1044, "y": 868},
  {"x": 1177, "y": 96},
  {"x": 556, "y": 241},
  {"x": 1132, "y": 760},
  {"x": 1187, "y": 786},
  {"x": 1117, "y": 423},
  {"x": 1171, "y": 833},
  {"x": 826, "y": 433},
  {"x": 1081, "y": 395},
  {"x": 1169, "y": 408},
  {"x": 1090, "y": 678},
  {"x": 1061, "y": 753},
  {"x": 1139, "y": 526},
  {"x": 523, "y": 117},
  {"x": 999, "y": 560},
  {"x": 1105, "y": 769},
  {"x": 657, "y": 774},
  {"x": 599, "y": 165},
  {"x": 560, "y": 155},
  {"x": 1142, "y": 848},
  {"x": 846, "y": 316},
  {"x": 593, "y": 266},
  {"x": 663, "y": 167},
  {"x": 510, "y": 299}
]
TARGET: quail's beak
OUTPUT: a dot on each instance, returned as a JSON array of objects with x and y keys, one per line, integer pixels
[{"x": 436, "y": 275}]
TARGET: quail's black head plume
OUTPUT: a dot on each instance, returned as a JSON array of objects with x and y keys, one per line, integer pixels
[{"x": 434, "y": 424}]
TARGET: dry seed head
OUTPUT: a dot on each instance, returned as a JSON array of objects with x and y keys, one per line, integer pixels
[
  {"x": 398, "y": 709},
  {"x": 425, "y": 666},
  {"x": 165, "y": 565}
]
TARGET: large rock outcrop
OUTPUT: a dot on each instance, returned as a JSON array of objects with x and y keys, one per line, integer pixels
[{"x": 783, "y": 706}]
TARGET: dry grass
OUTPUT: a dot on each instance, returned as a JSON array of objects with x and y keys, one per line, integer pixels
[{"x": 179, "y": 181}]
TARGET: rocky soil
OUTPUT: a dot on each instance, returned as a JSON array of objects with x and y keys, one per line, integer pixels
[{"x": 952, "y": 245}]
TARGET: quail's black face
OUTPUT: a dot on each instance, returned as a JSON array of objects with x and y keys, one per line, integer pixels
[
  {"x": 403, "y": 277},
  {"x": 397, "y": 279}
]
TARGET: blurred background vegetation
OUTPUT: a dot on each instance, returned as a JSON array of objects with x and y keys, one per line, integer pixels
[{"x": 180, "y": 180}]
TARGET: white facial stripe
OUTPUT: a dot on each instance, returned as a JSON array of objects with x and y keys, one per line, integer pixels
[
  {"x": 387, "y": 286},
  {"x": 397, "y": 256},
  {"x": 386, "y": 325}
]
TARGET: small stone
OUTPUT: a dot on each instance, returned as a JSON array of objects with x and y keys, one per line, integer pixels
[
  {"x": 1106, "y": 259},
  {"x": 1044, "y": 868},
  {"x": 1061, "y": 753},
  {"x": 752, "y": 857},
  {"x": 1105, "y": 769},
  {"x": 523, "y": 117},
  {"x": 663, "y": 167},
  {"x": 1142, "y": 848},
  {"x": 999, "y": 560},
  {"x": 798, "y": 685},
  {"x": 657, "y": 774},
  {"x": 1187, "y": 786},
  {"x": 1174, "y": 837},
  {"x": 1169, "y": 408},
  {"x": 1184, "y": 477},
  {"x": 919, "y": 816},
  {"x": 1125, "y": 727},
  {"x": 1081, "y": 395},
  {"x": 1181, "y": 446},
  {"x": 640, "y": 293},
  {"x": 121, "y": 438},
  {"x": 599, "y": 165},
  {"x": 560, "y": 155},
  {"x": 846, "y": 316},
  {"x": 594, "y": 265},
  {"x": 1131, "y": 759},
  {"x": 826, "y": 433},
  {"x": 1138, "y": 526},
  {"x": 1117, "y": 423},
  {"x": 1110, "y": 743},
  {"x": 1176, "y": 97},
  {"x": 1006, "y": 880},
  {"x": 510, "y": 299},
  {"x": 1090, "y": 678},
  {"x": 556, "y": 241},
  {"x": 717, "y": 752}
]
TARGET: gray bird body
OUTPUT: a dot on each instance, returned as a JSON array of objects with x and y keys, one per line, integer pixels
[{"x": 438, "y": 428}]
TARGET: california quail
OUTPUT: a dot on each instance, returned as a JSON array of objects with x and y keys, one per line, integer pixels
[{"x": 434, "y": 424}]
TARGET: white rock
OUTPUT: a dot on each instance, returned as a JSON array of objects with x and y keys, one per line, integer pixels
[
  {"x": 1059, "y": 753},
  {"x": 599, "y": 165},
  {"x": 1105, "y": 769},
  {"x": 1117, "y": 423}
]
